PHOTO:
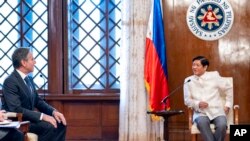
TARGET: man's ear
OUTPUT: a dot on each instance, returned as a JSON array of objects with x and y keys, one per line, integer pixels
[
  {"x": 205, "y": 67},
  {"x": 23, "y": 63}
]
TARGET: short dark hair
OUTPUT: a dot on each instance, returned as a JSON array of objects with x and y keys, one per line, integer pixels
[
  {"x": 19, "y": 55},
  {"x": 204, "y": 60}
]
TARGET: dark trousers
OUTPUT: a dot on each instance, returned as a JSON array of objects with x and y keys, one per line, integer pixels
[
  {"x": 13, "y": 135},
  {"x": 47, "y": 132}
]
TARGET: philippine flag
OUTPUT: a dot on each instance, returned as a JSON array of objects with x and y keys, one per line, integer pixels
[{"x": 155, "y": 69}]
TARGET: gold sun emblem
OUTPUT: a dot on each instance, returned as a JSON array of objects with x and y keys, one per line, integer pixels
[{"x": 210, "y": 17}]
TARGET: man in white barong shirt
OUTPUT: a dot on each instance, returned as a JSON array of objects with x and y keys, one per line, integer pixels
[{"x": 202, "y": 93}]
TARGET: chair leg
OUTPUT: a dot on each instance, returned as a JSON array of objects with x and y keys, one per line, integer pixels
[
  {"x": 194, "y": 137},
  {"x": 26, "y": 137}
]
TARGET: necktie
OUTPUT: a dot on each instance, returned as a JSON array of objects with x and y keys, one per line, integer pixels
[{"x": 28, "y": 83}]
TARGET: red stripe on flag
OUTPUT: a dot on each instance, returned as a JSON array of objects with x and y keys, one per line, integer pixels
[{"x": 155, "y": 79}]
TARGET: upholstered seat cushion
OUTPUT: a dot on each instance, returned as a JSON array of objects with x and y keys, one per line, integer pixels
[
  {"x": 32, "y": 137},
  {"x": 230, "y": 118}
]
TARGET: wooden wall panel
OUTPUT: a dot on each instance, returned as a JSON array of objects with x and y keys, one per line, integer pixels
[
  {"x": 88, "y": 119},
  {"x": 229, "y": 55},
  {"x": 110, "y": 121},
  {"x": 108, "y": 117},
  {"x": 82, "y": 133},
  {"x": 83, "y": 113}
]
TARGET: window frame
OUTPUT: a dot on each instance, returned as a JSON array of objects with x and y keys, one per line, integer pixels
[
  {"x": 58, "y": 72},
  {"x": 58, "y": 80}
]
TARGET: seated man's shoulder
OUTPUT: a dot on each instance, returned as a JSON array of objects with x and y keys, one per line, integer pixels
[
  {"x": 213, "y": 73},
  {"x": 11, "y": 79}
]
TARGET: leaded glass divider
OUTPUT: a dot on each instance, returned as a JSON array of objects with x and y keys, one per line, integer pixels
[
  {"x": 94, "y": 42},
  {"x": 24, "y": 24}
]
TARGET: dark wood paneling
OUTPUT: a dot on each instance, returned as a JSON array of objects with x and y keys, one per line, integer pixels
[
  {"x": 84, "y": 133},
  {"x": 55, "y": 43},
  {"x": 89, "y": 117},
  {"x": 182, "y": 46},
  {"x": 83, "y": 113},
  {"x": 110, "y": 120},
  {"x": 229, "y": 55}
]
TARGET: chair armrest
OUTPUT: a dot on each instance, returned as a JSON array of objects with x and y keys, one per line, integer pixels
[
  {"x": 24, "y": 127},
  {"x": 236, "y": 114},
  {"x": 13, "y": 115},
  {"x": 190, "y": 117}
]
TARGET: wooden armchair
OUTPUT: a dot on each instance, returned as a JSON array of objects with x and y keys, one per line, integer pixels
[
  {"x": 232, "y": 117},
  {"x": 24, "y": 126}
]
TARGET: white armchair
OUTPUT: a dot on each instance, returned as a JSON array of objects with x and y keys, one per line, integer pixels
[{"x": 232, "y": 117}]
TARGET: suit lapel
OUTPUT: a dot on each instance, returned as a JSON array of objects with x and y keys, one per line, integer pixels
[{"x": 24, "y": 87}]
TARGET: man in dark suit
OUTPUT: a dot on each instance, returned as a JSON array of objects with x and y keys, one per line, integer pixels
[
  {"x": 9, "y": 134},
  {"x": 20, "y": 95}
]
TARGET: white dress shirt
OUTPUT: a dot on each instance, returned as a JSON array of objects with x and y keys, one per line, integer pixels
[{"x": 207, "y": 88}]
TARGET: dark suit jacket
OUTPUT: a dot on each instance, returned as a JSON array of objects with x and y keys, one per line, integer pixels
[{"x": 17, "y": 98}]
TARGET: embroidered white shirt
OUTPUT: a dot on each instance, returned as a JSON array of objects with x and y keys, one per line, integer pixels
[{"x": 208, "y": 88}]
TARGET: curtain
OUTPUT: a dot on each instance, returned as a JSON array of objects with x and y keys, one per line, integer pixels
[{"x": 134, "y": 122}]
